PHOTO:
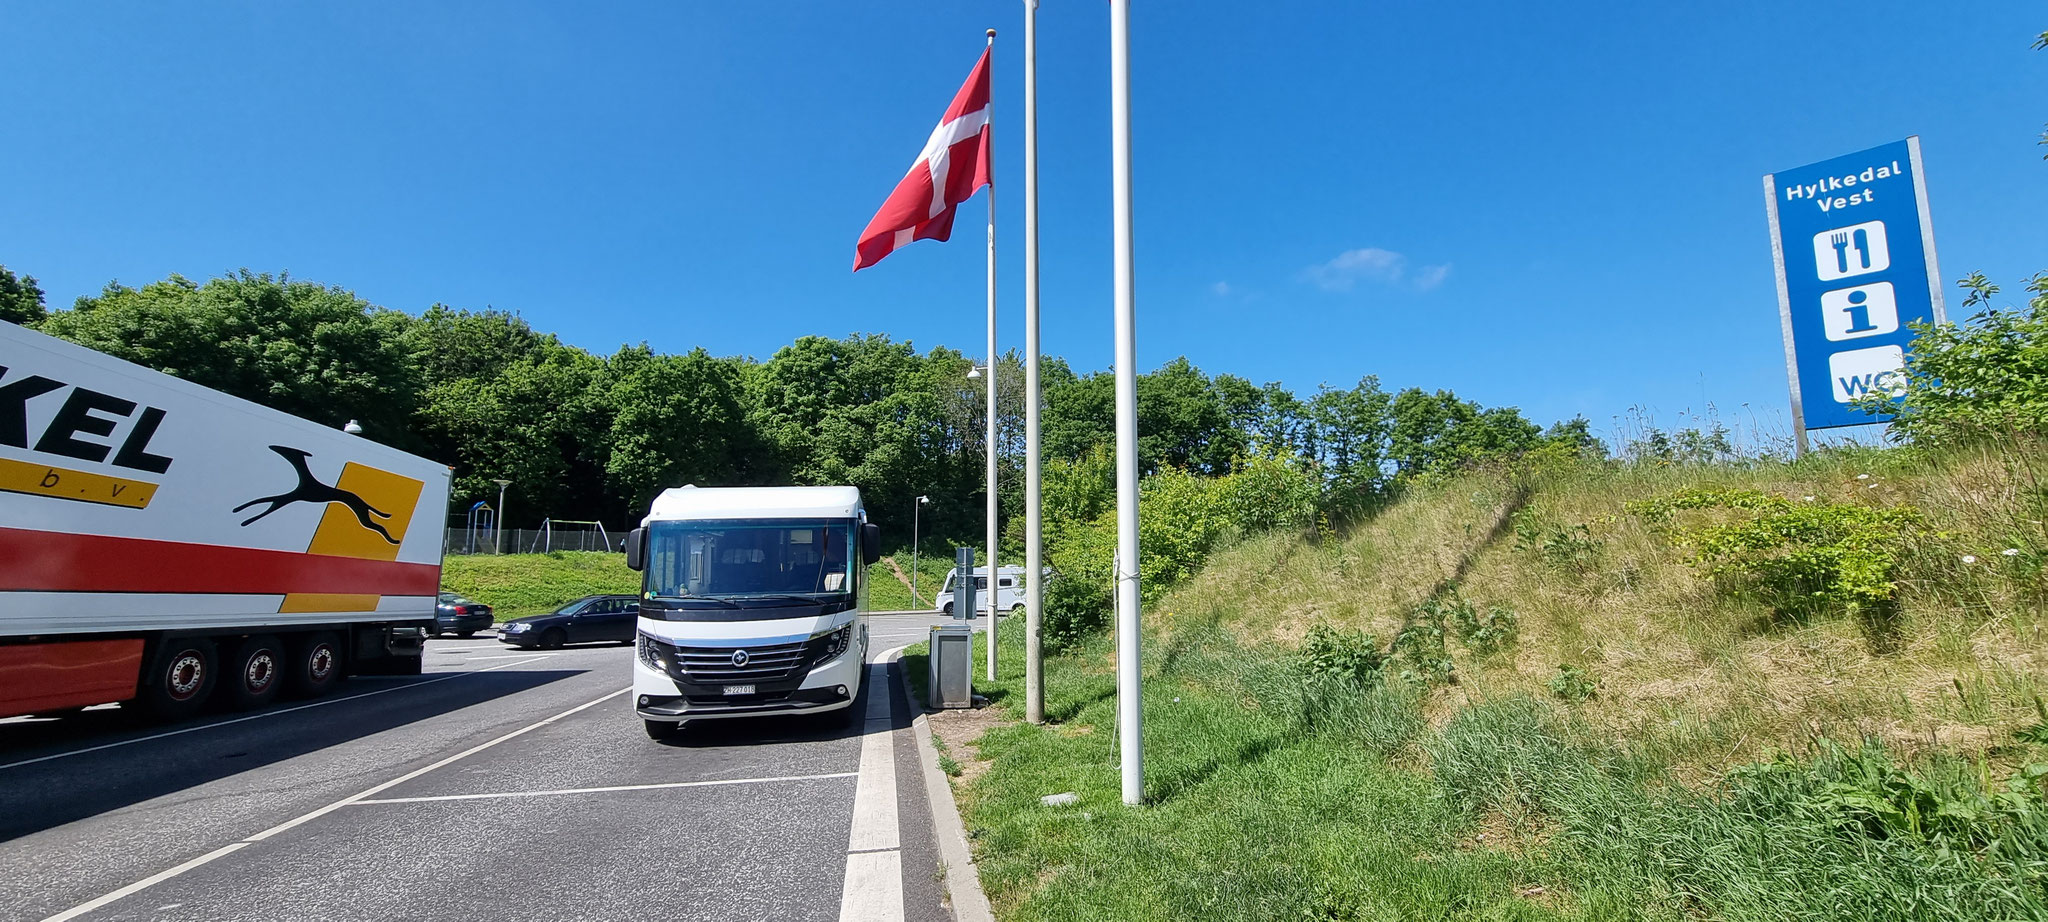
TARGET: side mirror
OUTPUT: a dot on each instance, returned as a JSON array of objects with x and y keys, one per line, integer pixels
[
  {"x": 636, "y": 549},
  {"x": 871, "y": 544}
]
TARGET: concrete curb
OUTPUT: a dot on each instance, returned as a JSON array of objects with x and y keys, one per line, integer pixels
[{"x": 963, "y": 881}]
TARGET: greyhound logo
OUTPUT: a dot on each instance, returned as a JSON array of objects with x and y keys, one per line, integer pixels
[{"x": 311, "y": 490}]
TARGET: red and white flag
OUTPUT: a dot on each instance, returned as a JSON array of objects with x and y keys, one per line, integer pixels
[{"x": 953, "y": 164}]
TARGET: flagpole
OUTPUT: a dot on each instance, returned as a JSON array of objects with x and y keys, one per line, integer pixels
[
  {"x": 994, "y": 579},
  {"x": 1129, "y": 707},
  {"x": 1034, "y": 566}
]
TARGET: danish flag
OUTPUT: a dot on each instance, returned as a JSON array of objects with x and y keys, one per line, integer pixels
[{"x": 922, "y": 206}]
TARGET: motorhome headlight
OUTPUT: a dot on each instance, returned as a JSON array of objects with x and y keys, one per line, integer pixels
[
  {"x": 650, "y": 652},
  {"x": 832, "y": 643}
]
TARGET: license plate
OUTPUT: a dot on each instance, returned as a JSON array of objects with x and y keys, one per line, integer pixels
[{"x": 739, "y": 689}]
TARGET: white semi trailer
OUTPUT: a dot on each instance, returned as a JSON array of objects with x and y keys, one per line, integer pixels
[{"x": 163, "y": 544}]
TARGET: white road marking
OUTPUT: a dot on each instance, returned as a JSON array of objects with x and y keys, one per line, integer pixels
[
  {"x": 258, "y": 716},
  {"x": 604, "y": 790},
  {"x": 874, "y": 862},
  {"x": 512, "y": 656},
  {"x": 874, "y": 887},
  {"x": 151, "y": 881}
]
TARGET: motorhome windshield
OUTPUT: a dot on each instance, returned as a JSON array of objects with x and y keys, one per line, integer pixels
[{"x": 734, "y": 561}]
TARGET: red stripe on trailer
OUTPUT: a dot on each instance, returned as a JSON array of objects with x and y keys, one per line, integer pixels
[
  {"x": 45, "y": 561},
  {"x": 57, "y": 676}
]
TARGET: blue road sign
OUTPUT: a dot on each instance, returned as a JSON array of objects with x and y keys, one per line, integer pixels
[{"x": 1855, "y": 257}]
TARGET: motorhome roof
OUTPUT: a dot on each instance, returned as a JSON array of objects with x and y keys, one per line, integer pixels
[{"x": 693, "y": 502}]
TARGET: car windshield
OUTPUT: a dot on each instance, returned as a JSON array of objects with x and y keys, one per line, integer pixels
[
  {"x": 750, "y": 558},
  {"x": 571, "y": 607}
]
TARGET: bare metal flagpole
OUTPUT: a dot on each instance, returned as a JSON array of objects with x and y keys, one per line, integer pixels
[
  {"x": 1129, "y": 709},
  {"x": 1034, "y": 564},
  {"x": 994, "y": 581}
]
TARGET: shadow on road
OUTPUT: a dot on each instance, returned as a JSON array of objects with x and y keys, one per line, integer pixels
[{"x": 42, "y": 795}]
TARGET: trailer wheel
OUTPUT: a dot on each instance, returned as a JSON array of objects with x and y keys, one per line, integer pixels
[
  {"x": 315, "y": 665},
  {"x": 255, "y": 672},
  {"x": 179, "y": 678}
]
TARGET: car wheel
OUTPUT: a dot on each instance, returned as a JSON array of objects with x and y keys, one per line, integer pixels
[
  {"x": 315, "y": 665},
  {"x": 947, "y": 610},
  {"x": 254, "y": 673},
  {"x": 662, "y": 731},
  {"x": 179, "y": 678},
  {"x": 553, "y": 638}
]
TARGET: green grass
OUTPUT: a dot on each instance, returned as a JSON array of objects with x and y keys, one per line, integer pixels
[
  {"x": 885, "y": 591},
  {"x": 1272, "y": 794},
  {"x": 517, "y": 585}
]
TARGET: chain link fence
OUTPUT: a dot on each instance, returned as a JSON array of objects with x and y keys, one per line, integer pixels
[{"x": 459, "y": 541}]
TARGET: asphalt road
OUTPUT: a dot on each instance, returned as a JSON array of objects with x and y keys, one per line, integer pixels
[{"x": 500, "y": 785}]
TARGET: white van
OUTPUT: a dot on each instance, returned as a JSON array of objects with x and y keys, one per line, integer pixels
[
  {"x": 1009, "y": 591},
  {"x": 753, "y": 602}
]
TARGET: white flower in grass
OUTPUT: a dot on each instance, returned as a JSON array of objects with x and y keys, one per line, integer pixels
[
  {"x": 2011, "y": 552},
  {"x": 1862, "y": 476},
  {"x": 1809, "y": 499},
  {"x": 1969, "y": 558}
]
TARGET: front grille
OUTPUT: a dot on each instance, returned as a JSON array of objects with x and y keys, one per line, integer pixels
[
  {"x": 772, "y": 663},
  {"x": 766, "y": 665}
]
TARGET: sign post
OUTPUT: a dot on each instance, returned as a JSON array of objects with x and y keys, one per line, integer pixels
[{"x": 1853, "y": 246}]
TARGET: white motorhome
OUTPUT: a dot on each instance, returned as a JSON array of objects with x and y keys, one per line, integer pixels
[
  {"x": 1009, "y": 591},
  {"x": 160, "y": 541},
  {"x": 753, "y": 602}
]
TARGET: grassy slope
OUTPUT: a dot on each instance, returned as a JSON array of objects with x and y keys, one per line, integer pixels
[
  {"x": 517, "y": 585},
  {"x": 1273, "y": 796}
]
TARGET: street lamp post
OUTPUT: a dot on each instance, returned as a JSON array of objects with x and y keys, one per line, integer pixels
[
  {"x": 498, "y": 539},
  {"x": 916, "y": 510}
]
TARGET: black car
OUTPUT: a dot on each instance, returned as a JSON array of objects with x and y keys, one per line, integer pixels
[
  {"x": 591, "y": 618},
  {"x": 462, "y": 617}
]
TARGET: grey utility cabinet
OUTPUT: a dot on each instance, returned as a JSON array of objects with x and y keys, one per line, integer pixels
[{"x": 951, "y": 666}]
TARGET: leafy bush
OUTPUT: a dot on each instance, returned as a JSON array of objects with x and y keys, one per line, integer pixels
[
  {"x": 1484, "y": 633},
  {"x": 1572, "y": 549},
  {"x": 1074, "y": 609},
  {"x": 1267, "y": 493},
  {"x": 1802, "y": 556},
  {"x": 1572, "y": 684},
  {"x": 1985, "y": 377},
  {"x": 1419, "y": 648},
  {"x": 1347, "y": 655}
]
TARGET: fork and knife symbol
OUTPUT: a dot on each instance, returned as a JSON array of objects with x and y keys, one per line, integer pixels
[{"x": 1841, "y": 243}]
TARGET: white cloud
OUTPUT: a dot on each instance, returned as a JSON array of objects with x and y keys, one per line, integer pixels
[
  {"x": 1373, "y": 264},
  {"x": 1222, "y": 289}
]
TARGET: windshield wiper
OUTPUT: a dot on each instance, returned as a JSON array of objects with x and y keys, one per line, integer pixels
[
  {"x": 705, "y": 598},
  {"x": 808, "y": 600}
]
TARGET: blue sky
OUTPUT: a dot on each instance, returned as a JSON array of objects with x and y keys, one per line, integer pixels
[{"x": 1555, "y": 206}]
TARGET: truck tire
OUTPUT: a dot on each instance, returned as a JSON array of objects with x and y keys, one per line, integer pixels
[
  {"x": 254, "y": 673},
  {"x": 178, "y": 679},
  {"x": 315, "y": 665}
]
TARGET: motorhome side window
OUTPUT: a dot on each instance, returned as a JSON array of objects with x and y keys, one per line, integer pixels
[{"x": 741, "y": 558}]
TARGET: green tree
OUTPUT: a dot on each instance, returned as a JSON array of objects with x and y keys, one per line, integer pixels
[
  {"x": 1986, "y": 377},
  {"x": 311, "y": 350},
  {"x": 676, "y": 419},
  {"x": 21, "y": 301}
]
